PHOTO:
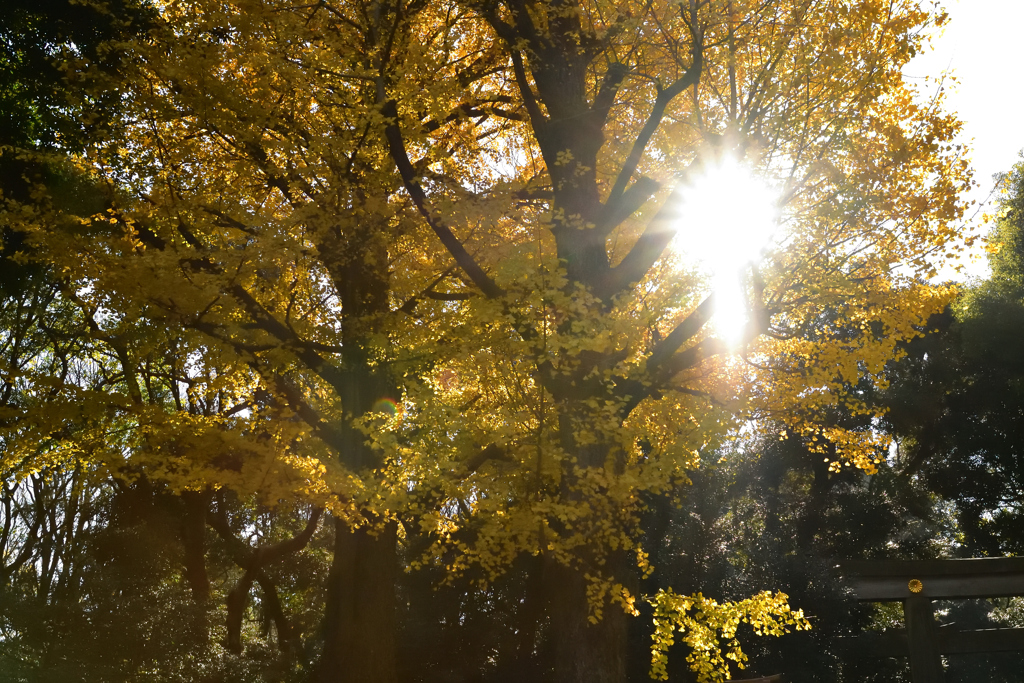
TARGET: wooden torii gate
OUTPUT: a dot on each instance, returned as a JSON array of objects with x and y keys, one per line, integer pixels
[{"x": 916, "y": 583}]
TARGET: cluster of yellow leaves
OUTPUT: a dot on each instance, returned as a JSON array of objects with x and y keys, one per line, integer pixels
[
  {"x": 703, "y": 624},
  {"x": 261, "y": 248}
]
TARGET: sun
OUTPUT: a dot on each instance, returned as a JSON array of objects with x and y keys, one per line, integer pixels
[{"x": 728, "y": 217}]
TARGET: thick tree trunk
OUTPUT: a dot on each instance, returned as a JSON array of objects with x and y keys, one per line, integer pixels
[
  {"x": 359, "y": 623},
  {"x": 584, "y": 652},
  {"x": 194, "y": 508},
  {"x": 193, "y": 536},
  {"x": 530, "y": 614}
]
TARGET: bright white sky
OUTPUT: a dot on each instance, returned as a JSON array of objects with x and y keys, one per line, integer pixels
[{"x": 982, "y": 46}]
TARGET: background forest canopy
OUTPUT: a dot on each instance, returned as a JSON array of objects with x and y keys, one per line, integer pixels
[{"x": 383, "y": 340}]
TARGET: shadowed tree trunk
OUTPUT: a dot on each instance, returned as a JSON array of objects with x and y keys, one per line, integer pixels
[
  {"x": 276, "y": 612},
  {"x": 585, "y": 652},
  {"x": 194, "y": 508},
  {"x": 359, "y": 623},
  {"x": 193, "y": 538}
]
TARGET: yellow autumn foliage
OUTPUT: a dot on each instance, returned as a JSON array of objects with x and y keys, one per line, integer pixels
[{"x": 423, "y": 261}]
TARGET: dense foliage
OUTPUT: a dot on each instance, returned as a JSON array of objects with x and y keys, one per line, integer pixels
[{"x": 358, "y": 340}]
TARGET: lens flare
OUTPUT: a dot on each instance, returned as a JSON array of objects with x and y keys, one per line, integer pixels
[
  {"x": 386, "y": 406},
  {"x": 728, "y": 216}
]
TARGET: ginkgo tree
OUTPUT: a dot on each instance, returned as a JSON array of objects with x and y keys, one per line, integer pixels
[
  {"x": 595, "y": 376},
  {"x": 438, "y": 256}
]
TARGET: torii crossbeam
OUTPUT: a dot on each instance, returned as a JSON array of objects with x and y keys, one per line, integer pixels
[{"x": 916, "y": 583}]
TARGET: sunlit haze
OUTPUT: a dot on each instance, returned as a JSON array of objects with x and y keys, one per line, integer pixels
[
  {"x": 728, "y": 217},
  {"x": 980, "y": 47}
]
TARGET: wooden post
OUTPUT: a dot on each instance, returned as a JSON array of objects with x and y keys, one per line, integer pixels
[{"x": 923, "y": 636}]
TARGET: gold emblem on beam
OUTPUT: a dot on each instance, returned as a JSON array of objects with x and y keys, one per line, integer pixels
[{"x": 915, "y": 586}]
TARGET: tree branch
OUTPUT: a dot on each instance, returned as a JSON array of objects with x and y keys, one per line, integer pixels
[
  {"x": 272, "y": 553},
  {"x": 662, "y": 101},
  {"x": 329, "y": 434},
  {"x": 268, "y": 323},
  {"x": 405, "y": 168},
  {"x": 449, "y": 296},
  {"x": 492, "y": 452},
  {"x": 529, "y": 99},
  {"x": 647, "y": 250},
  {"x": 253, "y": 560},
  {"x": 606, "y": 94},
  {"x": 272, "y": 603},
  {"x": 682, "y": 333},
  {"x": 691, "y": 357},
  {"x": 628, "y": 203}
]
